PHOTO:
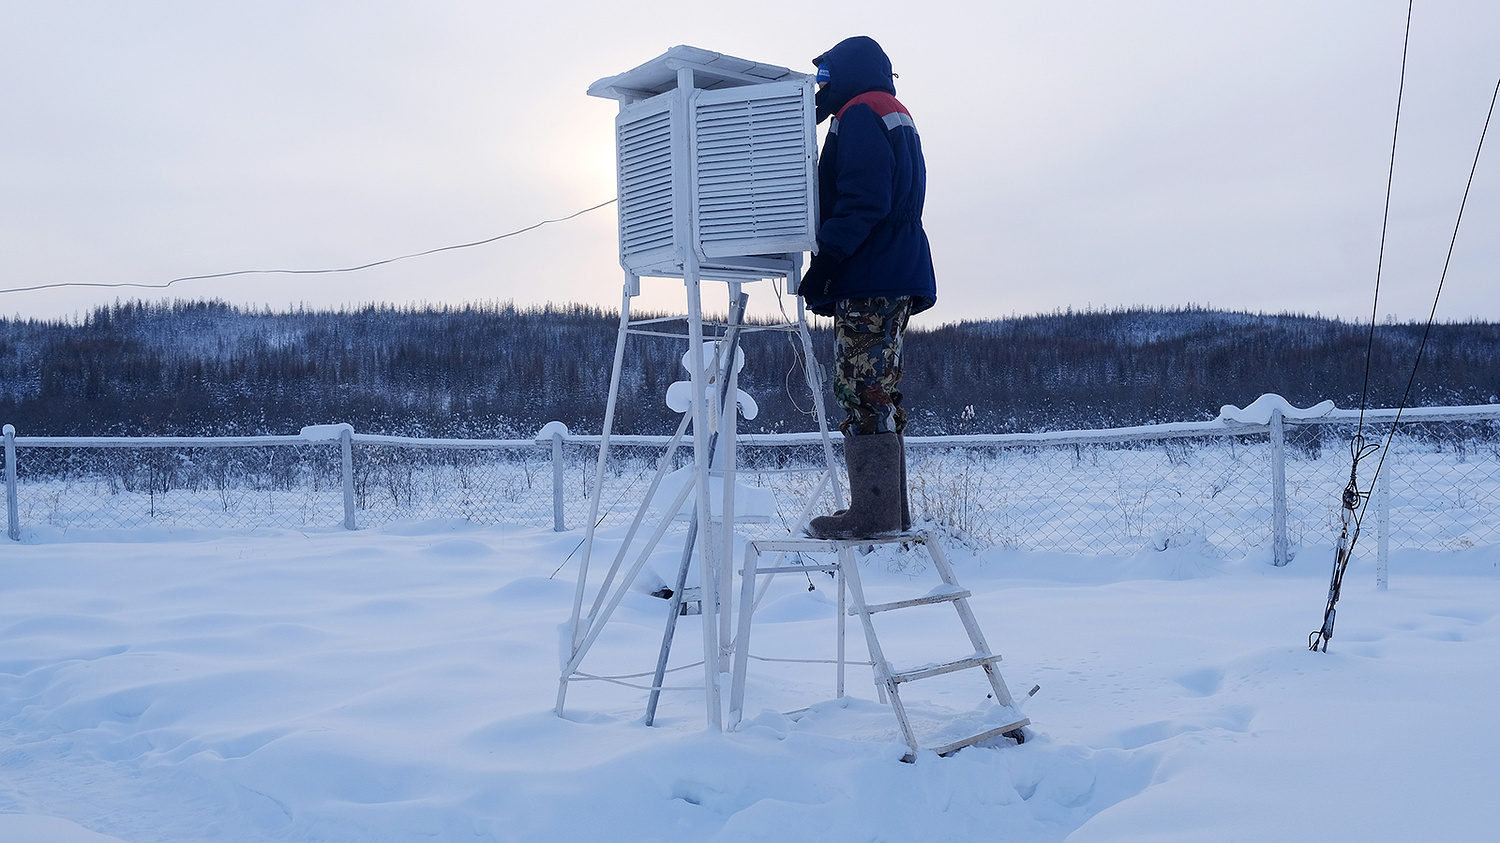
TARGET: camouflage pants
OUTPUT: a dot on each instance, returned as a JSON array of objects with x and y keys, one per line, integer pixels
[{"x": 867, "y": 338}]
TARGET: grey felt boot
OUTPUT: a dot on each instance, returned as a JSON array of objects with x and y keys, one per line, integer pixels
[
  {"x": 875, "y": 492},
  {"x": 905, "y": 490}
]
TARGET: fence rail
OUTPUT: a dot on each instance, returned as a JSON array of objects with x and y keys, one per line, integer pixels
[{"x": 1231, "y": 485}]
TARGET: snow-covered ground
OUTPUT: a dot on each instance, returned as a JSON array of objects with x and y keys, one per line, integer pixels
[{"x": 397, "y": 684}]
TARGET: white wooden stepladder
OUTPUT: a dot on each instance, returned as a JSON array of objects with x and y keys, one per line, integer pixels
[{"x": 717, "y": 177}]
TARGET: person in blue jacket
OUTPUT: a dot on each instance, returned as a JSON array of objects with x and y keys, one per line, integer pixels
[{"x": 871, "y": 272}]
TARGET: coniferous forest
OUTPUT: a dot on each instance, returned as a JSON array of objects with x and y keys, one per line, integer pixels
[{"x": 495, "y": 370}]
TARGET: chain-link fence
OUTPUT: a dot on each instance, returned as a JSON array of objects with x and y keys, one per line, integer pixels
[
  {"x": 1208, "y": 485},
  {"x": 1215, "y": 492},
  {"x": 1099, "y": 498},
  {"x": 88, "y": 486}
]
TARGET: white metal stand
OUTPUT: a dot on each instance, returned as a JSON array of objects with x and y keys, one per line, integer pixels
[
  {"x": 887, "y": 680},
  {"x": 710, "y": 536}
]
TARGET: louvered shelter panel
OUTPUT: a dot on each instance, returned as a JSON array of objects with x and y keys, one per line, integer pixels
[
  {"x": 645, "y": 142},
  {"x": 755, "y": 170}
]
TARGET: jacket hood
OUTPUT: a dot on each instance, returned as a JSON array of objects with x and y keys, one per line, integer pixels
[{"x": 855, "y": 66}]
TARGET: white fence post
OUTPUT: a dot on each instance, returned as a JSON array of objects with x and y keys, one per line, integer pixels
[
  {"x": 12, "y": 508},
  {"x": 1383, "y": 523},
  {"x": 558, "y": 524},
  {"x": 346, "y": 446},
  {"x": 1279, "y": 550},
  {"x": 553, "y": 433}
]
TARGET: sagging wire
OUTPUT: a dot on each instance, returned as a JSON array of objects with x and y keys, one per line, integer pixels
[
  {"x": 1353, "y": 498},
  {"x": 370, "y": 265},
  {"x": 798, "y": 357}
]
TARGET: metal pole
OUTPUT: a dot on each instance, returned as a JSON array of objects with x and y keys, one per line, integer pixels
[
  {"x": 708, "y": 568},
  {"x": 674, "y": 608},
  {"x": 1279, "y": 550},
  {"x": 708, "y": 572},
  {"x": 12, "y": 507},
  {"x": 726, "y": 393},
  {"x": 742, "y": 638},
  {"x": 346, "y": 448},
  {"x": 725, "y": 452},
  {"x": 558, "y": 524}
]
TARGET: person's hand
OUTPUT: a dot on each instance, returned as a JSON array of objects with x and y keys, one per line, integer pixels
[{"x": 817, "y": 278}]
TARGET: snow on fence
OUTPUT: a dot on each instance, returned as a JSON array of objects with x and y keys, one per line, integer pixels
[{"x": 1267, "y": 477}]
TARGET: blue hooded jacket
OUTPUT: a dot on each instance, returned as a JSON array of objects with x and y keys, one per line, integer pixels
[{"x": 871, "y": 184}]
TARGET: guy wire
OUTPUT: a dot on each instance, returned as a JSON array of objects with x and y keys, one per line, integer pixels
[{"x": 1442, "y": 279}]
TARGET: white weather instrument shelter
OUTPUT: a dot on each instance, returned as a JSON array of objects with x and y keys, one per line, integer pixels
[{"x": 717, "y": 166}]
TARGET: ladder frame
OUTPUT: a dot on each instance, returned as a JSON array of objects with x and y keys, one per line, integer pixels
[{"x": 887, "y": 681}]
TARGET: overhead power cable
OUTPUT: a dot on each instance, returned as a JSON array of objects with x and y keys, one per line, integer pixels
[
  {"x": 370, "y": 265},
  {"x": 1385, "y": 219},
  {"x": 1350, "y": 511}
]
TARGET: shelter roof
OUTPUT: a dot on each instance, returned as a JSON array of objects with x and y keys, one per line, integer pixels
[{"x": 711, "y": 71}]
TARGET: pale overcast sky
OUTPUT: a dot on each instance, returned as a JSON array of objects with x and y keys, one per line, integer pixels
[{"x": 1080, "y": 154}]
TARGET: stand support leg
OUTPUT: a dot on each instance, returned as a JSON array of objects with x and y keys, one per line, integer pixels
[
  {"x": 574, "y": 632},
  {"x": 742, "y": 637}
]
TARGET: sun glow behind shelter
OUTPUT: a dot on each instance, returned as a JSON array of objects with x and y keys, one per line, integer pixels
[{"x": 716, "y": 159}]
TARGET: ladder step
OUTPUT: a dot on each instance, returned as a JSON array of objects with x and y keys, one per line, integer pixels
[
  {"x": 940, "y": 669},
  {"x": 949, "y": 748},
  {"x": 797, "y": 569},
  {"x": 916, "y": 601}
]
